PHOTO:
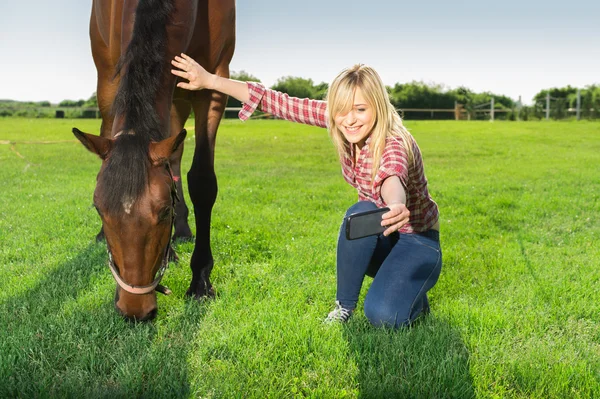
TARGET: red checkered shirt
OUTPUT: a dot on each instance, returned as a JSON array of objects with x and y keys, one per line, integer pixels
[{"x": 423, "y": 210}]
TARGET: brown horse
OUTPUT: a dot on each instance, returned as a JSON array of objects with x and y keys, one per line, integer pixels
[{"x": 141, "y": 139}]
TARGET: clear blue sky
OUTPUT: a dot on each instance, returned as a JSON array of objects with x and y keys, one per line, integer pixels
[{"x": 507, "y": 47}]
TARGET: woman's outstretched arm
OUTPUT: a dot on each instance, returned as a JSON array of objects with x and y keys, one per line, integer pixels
[
  {"x": 198, "y": 79},
  {"x": 301, "y": 110}
]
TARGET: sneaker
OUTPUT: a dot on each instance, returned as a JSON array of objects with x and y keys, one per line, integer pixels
[{"x": 339, "y": 314}]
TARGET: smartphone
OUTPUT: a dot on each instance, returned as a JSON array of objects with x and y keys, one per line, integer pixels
[{"x": 363, "y": 224}]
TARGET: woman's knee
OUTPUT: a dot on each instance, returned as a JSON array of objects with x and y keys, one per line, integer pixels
[
  {"x": 382, "y": 314},
  {"x": 351, "y": 247},
  {"x": 361, "y": 206}
]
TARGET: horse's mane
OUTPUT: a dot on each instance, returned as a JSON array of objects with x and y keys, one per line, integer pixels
[{"x": 141, "y": 68}]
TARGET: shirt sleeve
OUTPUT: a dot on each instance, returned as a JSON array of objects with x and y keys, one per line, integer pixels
[
  {"x": 394, "y": 162},
  {"x": 256, "y": 91},
  {"x": 281, "y": 105}
]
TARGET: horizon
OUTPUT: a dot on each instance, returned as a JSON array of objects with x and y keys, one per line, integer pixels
[
  {"x": 444, "y": 90},
  {"x": 513, "y": 49}
]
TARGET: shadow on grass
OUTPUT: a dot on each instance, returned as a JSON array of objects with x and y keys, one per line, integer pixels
[
  {"x": 63, "y": 338},
  {"x": 428, "y": 360}
]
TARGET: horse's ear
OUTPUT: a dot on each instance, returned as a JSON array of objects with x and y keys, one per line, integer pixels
[
  {"x": 162, "y": 151},
  {"x": 100, "y": 146}
]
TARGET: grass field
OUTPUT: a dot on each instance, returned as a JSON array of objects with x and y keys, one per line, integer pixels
[{"x": 515, "y": 314}]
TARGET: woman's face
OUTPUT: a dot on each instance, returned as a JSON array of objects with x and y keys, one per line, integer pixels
[{"x": 356, "y": 125}]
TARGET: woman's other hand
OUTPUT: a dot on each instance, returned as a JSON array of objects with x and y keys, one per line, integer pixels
[
  {"x": 198, "y": 78},
  {"x": 396, "y": 218}
]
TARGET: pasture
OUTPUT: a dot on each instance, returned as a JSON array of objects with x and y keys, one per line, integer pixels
[{"x": 516, "y": 312}]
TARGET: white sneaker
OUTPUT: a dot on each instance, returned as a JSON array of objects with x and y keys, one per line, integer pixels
[{"x": 339, "y": 314}]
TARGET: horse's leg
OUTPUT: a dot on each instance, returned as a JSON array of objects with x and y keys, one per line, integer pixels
[
  {"x": 180, "y": 111},
  {"x": 104, "y": 59},
  {"x": 212, "y": 45},
  {"x": 105, "y": 94},
  {"x": 202, "y": 182}
]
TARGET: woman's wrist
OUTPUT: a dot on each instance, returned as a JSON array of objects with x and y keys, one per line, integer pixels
[
  {"x": 214, "y": 82},
  {"x": 233, "y": 88}
]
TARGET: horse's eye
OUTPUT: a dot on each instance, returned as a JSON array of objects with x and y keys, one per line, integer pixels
[{"x": 165, "y": 214}]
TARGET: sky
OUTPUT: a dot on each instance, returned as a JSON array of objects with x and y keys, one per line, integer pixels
[{"x": 508, "y": 47}]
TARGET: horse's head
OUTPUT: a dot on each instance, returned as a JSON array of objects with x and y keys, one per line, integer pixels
[{"x": 134, "y": 196}]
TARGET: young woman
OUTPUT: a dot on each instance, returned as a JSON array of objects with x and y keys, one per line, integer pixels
[{"x": 381, "y": 159}]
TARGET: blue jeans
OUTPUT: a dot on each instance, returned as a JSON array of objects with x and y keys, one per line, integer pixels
[{"x": 403, "y": 266}]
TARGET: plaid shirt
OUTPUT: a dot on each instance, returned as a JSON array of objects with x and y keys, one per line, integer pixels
[{"x": 423, "y": 210}]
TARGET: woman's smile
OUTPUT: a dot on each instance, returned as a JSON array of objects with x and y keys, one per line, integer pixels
[
  {"x": 356, "y": 124},
  {"x": 352, "y": 129}
]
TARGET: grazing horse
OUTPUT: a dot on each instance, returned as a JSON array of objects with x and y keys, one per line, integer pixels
[{"x": 138, "y": 192}]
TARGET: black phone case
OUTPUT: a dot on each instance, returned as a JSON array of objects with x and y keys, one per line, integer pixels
[{"x": 363, "y": 224}]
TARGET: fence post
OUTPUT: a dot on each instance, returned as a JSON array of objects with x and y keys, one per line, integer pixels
[
  {"x": 547, "y": 106},
  {"x": 492, "y": 110},
  {"x": 456, "y": 111},
  {"x": 519, "y": 110},
  {"x": 578, "y": 104}
]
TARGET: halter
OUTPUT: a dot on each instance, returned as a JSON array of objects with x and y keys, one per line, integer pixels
[{"x": 146, "y": 289}]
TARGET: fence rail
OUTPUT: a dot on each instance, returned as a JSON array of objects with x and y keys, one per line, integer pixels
[{"x": 485, "y": 111}]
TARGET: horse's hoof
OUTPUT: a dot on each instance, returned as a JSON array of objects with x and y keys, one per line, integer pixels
[
  {"x": 173, "y": 257},
  {"x": 182, "y": 238},
  {"x": 183, "y": 234},
  {"x": 201, "y": 294}
]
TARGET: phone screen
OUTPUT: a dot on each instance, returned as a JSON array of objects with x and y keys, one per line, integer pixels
[{"x": 363, "y": 224}]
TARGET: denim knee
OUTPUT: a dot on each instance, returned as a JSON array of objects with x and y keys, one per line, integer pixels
[
  {"x": 361, "y": 206},
  {"x": 380, "y": 314}
]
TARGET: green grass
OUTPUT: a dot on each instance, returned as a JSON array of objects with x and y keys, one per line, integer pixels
[{"x": 516, "y": 312}]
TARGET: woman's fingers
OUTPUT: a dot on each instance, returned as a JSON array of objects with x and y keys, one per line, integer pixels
[
  {"x": 396, "y": 219},
  {"x": 183, "y": 62},
  {"x": 177, "y": 64},
  {"x": 393, "y": 228},
  {"x": 179, "y": 73},
  {"x": 188, "y": 69},
  {"x": 395, "y": 222},
  {"x": 184, "y": 85}
]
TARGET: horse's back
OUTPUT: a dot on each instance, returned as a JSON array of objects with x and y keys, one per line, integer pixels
[{"x": 205, "y": 30}]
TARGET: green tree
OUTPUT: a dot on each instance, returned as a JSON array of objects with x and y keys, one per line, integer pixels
[
  {"x": 244, "y": 76},
  {"x": 466, "y": 97},
  {"x": 590, "y": 101},
  {"x": 71, "y": 103},
  {"x": 320, "y": 91},
  {"x": 91, "y": 102},
  {"x": 295, "y": 86},
  {"x": 421, "y": 95},
  {"x": 559, "y": 101}
]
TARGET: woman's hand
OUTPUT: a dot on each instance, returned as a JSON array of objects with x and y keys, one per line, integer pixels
[
  {"x": 189, "y": 69},
  {"x": 396, "y": 218}
]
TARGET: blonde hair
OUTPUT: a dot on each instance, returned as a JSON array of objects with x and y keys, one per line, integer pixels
[{"x": 387, "y": 122}]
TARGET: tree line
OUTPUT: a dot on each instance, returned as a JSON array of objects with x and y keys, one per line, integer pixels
[{"x": 404, "y": 96}]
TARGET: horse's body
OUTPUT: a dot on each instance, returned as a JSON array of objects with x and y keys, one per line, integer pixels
[{"x": 132, "y": 48}]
